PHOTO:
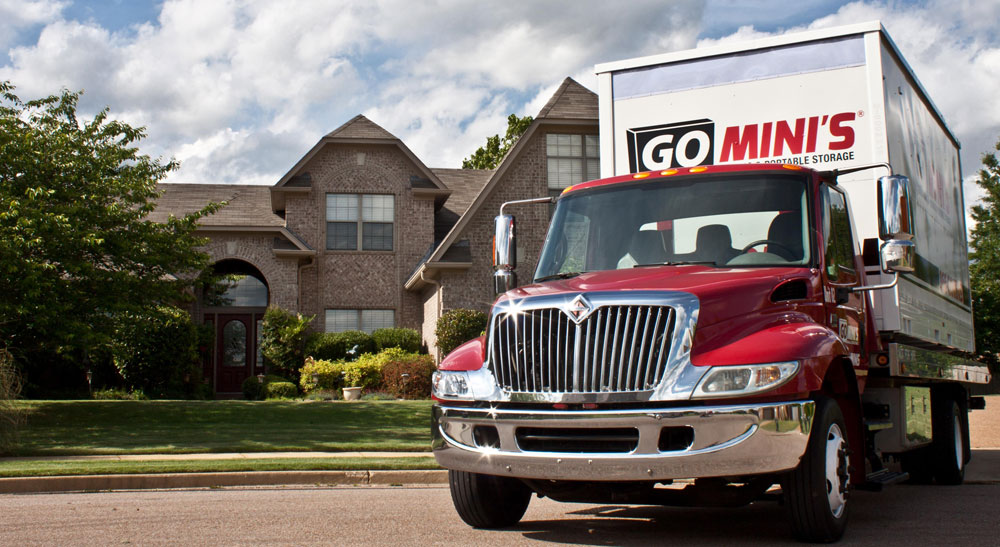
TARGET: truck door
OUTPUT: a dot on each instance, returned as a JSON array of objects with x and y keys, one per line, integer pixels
[{"x": 844, "y": 308}]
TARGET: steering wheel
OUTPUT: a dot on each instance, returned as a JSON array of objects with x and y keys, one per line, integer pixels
[{"x": 788, "y": 251}]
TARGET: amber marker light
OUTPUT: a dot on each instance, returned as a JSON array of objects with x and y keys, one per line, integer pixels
[
  {"x": 668, "y": 172},
  {"x": 698, "y": 169},
  {"x": 568, "y": 188},
  {"x": 792, "y": 167},
  {"x": 640, "y": 175}
]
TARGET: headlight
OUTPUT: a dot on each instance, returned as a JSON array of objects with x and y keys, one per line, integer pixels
[
  {"x": 744, "y": 379},
  {"x": 451, "y": 384}
]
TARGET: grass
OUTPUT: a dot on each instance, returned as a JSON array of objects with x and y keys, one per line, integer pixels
[
  {"x": 46, "y": 468},
  {"x": 63, "y": 428}
]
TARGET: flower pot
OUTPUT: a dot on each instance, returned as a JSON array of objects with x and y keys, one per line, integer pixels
[{"x": 352, "y": 393}]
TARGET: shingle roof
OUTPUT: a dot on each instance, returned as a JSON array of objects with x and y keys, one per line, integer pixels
[
  {"x": 246, "y": 205},
  {"x": 571, "y": 101},
  {"x": 465, "y": 185},
  {"x": 360, "y": 127}
]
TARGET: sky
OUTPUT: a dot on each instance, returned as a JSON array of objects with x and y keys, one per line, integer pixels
[{"x": 238, "y": 91}]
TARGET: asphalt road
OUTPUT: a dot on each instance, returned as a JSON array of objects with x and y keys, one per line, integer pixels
[{"x": 903, "y": 515}]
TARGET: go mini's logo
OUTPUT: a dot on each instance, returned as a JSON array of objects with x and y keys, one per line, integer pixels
[{"x": 684, "y": 144}]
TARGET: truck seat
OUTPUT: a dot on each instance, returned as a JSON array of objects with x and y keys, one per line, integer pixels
[
  {"x": 786, "y": 229},
  {"x": 715, "y": 243}
]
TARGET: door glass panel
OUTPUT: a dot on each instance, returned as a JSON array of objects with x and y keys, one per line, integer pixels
[{"x": 234, "y": 344}]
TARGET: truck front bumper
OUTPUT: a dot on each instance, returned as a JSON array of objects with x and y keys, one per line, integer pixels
[{"x": 701, "y": 441}]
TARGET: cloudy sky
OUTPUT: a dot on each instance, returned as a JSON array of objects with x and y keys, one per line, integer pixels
[{"x": 239, "y": 90}]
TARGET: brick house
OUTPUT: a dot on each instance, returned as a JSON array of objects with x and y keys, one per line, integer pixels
[{"x": 363, "y": 235}]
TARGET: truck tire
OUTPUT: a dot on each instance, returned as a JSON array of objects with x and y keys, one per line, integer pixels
[
  {"x": 816, "y": 491},
  {"x": 949, "y": 448},
  {"x": 488, "y": 501}
]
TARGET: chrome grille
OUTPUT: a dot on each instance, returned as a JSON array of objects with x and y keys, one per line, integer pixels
[{"x": 614, "y": 349}]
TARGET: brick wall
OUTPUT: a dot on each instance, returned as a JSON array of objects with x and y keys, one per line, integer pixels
[{"x": 363, "y": 279}]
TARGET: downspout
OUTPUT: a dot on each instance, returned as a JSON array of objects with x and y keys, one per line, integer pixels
[
  {"x": 298, "y": 303},
  {"x": 440, "y": 305}
]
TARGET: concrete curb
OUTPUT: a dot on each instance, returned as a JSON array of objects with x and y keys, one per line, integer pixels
[{"x": 90, "y": 483}]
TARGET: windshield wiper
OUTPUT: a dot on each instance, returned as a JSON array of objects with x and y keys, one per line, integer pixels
[
  {"x": 563, "y": 275},
  {"x": 676, "y": 263}
]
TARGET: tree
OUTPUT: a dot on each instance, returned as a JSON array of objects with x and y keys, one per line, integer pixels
[
  {"x": 984, "y": 263},
  {"x": 490, "y": 155},
  {"x": 76, "y": 250}
]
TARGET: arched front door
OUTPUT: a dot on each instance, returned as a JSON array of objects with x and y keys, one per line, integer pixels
[{"x": 235, "y": 314}]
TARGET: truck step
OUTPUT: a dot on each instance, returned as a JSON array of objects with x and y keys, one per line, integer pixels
[
  {"x": 877, "y": 424},
  {"x": 878, "y": 480}
]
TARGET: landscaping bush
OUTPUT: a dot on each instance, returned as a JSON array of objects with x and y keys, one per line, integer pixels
[
  {"x": 333, "y": 346},
  {"x": 417, "y": 382},
  {"x": 283, "y": 340},
  {"x": 404, "y": 339},
  {"x": 157, "y": 351},
  {"x": 280, "y": 390},
  {"x": 330, "y": 375},
  {"x": 455, "y": 327},
  {"x": 365, "y": 372},
  {"x": 120, "y": 395},
  {"x": 255, "y": 390}
]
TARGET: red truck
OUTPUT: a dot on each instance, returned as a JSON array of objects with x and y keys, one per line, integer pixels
[{"x": 723, "y": 332}]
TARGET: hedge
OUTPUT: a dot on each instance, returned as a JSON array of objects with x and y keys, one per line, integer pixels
[{"x": 455, "y": 327}]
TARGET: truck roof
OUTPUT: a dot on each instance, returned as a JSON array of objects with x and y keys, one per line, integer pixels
[{"x": 706, "y": 169}]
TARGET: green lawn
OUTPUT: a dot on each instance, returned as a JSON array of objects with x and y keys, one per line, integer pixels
[
  {"x": 60, "y": 428},
  {"x": 45, "y": 468}
]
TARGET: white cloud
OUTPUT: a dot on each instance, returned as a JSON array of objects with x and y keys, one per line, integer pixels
[
  {"x": 18, "y": 15},
  {"x": 240, "y": 90}
]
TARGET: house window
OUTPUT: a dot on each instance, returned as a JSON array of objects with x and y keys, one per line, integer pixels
[
  {"x": 572, "y": 159},
  {"x": 365, "y": 320},
  {"x": 359, "y": 221}
]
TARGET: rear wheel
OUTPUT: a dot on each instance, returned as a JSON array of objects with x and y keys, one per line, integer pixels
[
  {"x": 816, "y": 492},
  {"x": 949, "y": 442},
  {"x": 488, "y": 501}
]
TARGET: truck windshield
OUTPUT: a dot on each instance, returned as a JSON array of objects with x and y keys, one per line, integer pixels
[{"x": 722, "y": 221}]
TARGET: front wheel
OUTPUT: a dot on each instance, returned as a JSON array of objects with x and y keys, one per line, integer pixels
[
  {"x": 816, "y": 492},
  {"x": 488, "y": 501}
]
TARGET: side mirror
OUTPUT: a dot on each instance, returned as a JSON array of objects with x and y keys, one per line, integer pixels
[
  {"x": 894, "y": 208},
  {"x": 504, "y": 254},
  {"x": 898, "y": 256}
]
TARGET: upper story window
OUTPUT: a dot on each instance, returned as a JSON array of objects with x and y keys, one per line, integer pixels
[
  {"x": 359, "y": 221},
  {"x": 572, "y": 159}
]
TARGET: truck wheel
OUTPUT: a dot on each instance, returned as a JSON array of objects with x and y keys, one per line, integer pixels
[
  {"x": 949, "y": 442},
  {"x": 488, "y": 501},
  {"x": 816, "y": 491}
]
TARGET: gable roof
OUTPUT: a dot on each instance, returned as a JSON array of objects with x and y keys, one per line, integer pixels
[
  {"x": 571, "y": 104},
  {"x": 357, "y": 130},
  {"x": 570, "y": 101}
]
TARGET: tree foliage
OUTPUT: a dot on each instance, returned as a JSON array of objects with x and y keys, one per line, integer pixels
[
  {"x": 283, "y": 341},
  {"x": 984, "y": 263},
  {"x": 76, "y": 248},
  {"x": 489, "y": 155}
]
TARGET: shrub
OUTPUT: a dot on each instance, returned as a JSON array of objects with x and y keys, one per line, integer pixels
[
  {"x": 280, "y": 390},
  {"x": 404, "y": 339},
  {"x": 11, "y": 414},
  {"x": 255, "y": 390},
  {"x": 416, "y": 384},
  {"x": 330, "y": 375},
  {"x": 365, "y": 372},
  {"x": 283, "y": 339},
  {"x": 157, "y": 351},
  {"x": 333, "y": 346},
  {"x": 455, "y": 327},
  {"x": 120, "y": 395}
]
